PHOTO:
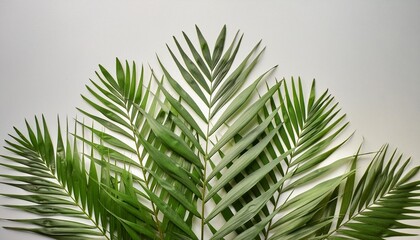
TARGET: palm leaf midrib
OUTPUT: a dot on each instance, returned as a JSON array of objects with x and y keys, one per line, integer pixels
[
  {"x": 146, "y": 179},
  {"x": 213, "y": 67},
  {"x": 309, "y": 115},
  {"x": 382, "y": 190},
  {"x": 279, "y": 190},
  {"x": 366, "y": 208},
  {"x": 128, "y": 106},
  {"x": 299, "y": 133}
]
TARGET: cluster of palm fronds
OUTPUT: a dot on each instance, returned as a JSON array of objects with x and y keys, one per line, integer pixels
[{"x": 206, "y": 153}]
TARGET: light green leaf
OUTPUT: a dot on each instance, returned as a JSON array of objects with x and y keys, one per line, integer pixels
[
  {"x": 171, "y": 214},
  {"x": 192, "y": 68},
  {"x": 240, "y": 163},
  {"x": 172, "y": 168},
  {"x": 181, "y": 92},
  {"x": 189, "y": 79},
  {"x": 244, "y": 119},
  {"x": 243, "y": 186},
  {"x": 204, "y": 47},
  {"x": 241, "y": 145},
  {"x": 218, "y": 48},
  {"x": 198, "y": 59},
  {"x": 165, "y": 183},
  {"x": 173, "y": 141},
  {"x": 238, "y": 102}
]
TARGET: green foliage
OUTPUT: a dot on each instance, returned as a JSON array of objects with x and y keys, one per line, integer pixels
[{"x": 214, "y": 151}]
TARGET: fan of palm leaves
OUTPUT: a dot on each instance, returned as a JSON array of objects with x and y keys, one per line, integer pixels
[{"x": 211, "y": 151}]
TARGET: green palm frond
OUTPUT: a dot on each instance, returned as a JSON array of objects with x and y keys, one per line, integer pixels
[
  {"x": 310, "y": 128},
  {"x": 135, "y": 112},
  {"x": 212, "y": 151},
  {"x": 222, "y": 85},
  {"x": 374, "y": 206},
  {"x": 287, "y": 160},
  {"x": 56, "y": 182}
]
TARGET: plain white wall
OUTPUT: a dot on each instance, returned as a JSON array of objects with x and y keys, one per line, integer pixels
[{"x": 366, "y": 52}]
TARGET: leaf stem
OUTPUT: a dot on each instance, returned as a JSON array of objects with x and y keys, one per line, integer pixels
[
  {"x": 359, "y": 212},
  {"x": 206, "y": 158},
  {"x": 89, "y": 217},
  {"x": 276, "y": 202},
  {"x": 146, "y": 180},
  {"x": 281, "y": 187},
  {"x": 76, "y": 203}
]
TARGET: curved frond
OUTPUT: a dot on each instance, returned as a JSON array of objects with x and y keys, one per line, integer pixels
[
  {"x": 374, "y": 206},
  {"x": 138, "y": 115},
  {"x": 160, "y": 149},
  {"x": 214, "y": 75},
  {"x": 57, "y": 184}
]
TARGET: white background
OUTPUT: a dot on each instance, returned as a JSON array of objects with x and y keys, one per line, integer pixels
[{"x": 366, "y": 52}]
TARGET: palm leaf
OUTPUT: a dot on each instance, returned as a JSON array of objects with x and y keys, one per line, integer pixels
[
  {"x": 57, "y": 181},
  {"x": 379, "y": 201},
  {"x": 150, "y": 137},
  {"x": 161, "y": 149}
]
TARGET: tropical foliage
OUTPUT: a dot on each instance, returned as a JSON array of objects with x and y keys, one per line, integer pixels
[{"x": 210, "y": 151}]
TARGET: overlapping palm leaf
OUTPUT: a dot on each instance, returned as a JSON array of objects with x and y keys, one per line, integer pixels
[
  {"x": 135, "y": 113},
  {"x": 57, "y": 186},
  {"x": 296, "y": 162},
  {"x": 376, "y": 206},
  {"x": 266, "y": 140},
  {"x": 222, "y": 84},
  {"x": 164, "y": 148}
]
